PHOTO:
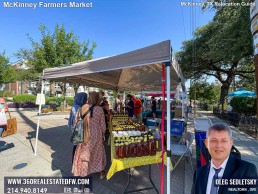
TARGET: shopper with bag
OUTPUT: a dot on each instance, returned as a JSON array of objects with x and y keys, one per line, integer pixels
[
  {"x": 90, "y": 156},
  {"x": 3, "y": 120},
  {"x": 79, "y": 100}
]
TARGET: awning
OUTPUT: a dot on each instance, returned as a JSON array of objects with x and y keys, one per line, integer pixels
[{"x": 134, "y": 71}]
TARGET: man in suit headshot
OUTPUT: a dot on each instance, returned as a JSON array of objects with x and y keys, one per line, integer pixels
[{"x": 219, "y": 143}]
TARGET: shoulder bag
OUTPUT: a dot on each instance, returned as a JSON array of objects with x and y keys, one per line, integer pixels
[{"x": 79, "y": 129}]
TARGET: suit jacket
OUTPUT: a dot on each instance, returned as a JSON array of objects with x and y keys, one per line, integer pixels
[{"x": 235, "y": 169}]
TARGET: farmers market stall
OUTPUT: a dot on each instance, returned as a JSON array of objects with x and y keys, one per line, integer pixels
[{"x": 144, "y": 69}]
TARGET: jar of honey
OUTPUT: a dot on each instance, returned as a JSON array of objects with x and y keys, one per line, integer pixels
[
  {"x": 122, "y": 151},
  {"x": 127, "y": 150},
  {"x": 139, "y": 149},
  {"x": 133, "y": 149},
  {"x": 152, "y": 146},
  {"x": 145, "y": 147}
]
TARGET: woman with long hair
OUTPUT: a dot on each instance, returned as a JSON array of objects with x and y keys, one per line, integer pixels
[
  {"x": 79, "y": 100},
  {"x": 90, "y": 157}
]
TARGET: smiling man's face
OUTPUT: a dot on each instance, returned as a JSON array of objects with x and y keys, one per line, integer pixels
[{"x": 219, "y": 145}]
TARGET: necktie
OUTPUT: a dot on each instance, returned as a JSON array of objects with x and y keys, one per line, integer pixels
[{"x": 214, "y": 188}]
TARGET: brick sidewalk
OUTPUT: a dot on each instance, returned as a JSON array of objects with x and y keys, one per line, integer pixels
[{"x": 55, "y": 155}]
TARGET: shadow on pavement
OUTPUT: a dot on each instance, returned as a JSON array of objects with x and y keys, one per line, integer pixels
[
  {"x": 57, "y": 138},
  {"x": 5, "y": 146}
]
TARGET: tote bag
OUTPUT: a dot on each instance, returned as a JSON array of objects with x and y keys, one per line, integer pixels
[
  {"x": 80, "y": 133},
  {"x": 11, "y": 126}
]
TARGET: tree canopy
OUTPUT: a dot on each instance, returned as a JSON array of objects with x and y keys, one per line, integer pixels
[
  {"x": 204, "y": 91},
  {"x": 222, "y": 48},
  {"x": 4, "y": 61},
  {"x": 55, "y": 49}
]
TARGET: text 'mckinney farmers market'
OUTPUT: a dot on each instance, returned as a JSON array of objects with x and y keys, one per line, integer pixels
[{"x": 42, "y": 4}]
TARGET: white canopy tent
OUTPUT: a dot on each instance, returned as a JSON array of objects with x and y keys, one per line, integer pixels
[{"x": 133, "y": 71}]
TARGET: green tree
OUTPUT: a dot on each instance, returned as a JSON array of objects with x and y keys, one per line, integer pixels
[
  {"x": 204, "y": 91},
  {"x": 4, "y": 61},
  {"x": 55, "y": 49},
  {"x": 223, "y": 49}
]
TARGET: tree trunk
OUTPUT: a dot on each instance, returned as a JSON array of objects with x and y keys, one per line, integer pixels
[
  {"x": 256, "y": 77},
  {"x": 21, "y": 87},
  {"x": 75, "y": 87},
  {"x": 50, "y": 88},
  {"x": 63, "y": 90},
  {"x": 64, "y": 96},
  {"x": 223, "y": 93}
]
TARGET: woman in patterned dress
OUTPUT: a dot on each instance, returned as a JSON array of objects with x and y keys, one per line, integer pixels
[{"x": 91, "y": 157}]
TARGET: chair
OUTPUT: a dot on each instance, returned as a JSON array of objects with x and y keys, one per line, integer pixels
[{"x": 183, "y": 149}]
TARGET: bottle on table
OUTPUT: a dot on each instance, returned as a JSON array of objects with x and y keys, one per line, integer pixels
[
  {"x": 145, "y": 147},
  {"x": 122, "y": 151},
  {"x": 133, "y": 149},
  {"x": 116, "y": 155},
  {"x": 152, "y": 146},
  {"x": 157, "y": 139},
  {"x": 127, "y": 150},
  {"x": 139, "y": 149}
]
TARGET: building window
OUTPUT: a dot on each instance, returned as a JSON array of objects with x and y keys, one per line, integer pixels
[
  {"x": 56, "y": 85},
  {"x": 69, "y": 94}
]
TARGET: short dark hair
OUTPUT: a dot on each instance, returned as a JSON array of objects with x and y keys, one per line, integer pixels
[
  {"x": 129, "y": 95},
  {"x": 219, "y": 127}
]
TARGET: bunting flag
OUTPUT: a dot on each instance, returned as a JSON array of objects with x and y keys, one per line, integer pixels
[{"x": 202, "y": 159}]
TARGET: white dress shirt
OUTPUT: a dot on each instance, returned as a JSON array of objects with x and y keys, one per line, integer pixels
[{"x": 212, "y": 173}]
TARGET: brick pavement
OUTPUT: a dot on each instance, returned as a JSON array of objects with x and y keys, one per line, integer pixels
[{"x": 54, "y": 155}]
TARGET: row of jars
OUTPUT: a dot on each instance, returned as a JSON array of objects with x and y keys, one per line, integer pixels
[
  {"x": 135, "y": 148},
  {"x": 120, "y": 114},
  {"x": 129, "y": 128}
]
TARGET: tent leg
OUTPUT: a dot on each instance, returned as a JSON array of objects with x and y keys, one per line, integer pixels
[
  {"x": 39, "y": 112},
  {"x": 168, "y": 125}
]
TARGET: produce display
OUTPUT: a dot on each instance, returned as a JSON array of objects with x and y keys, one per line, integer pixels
[
  {"x": 131, "y": 139},
  {"x": 133, "y": 144},
  {"x": 121, "y": 122},
  {"x": 128, "y": 126}
]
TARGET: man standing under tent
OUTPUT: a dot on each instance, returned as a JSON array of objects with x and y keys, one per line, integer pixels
[
  {"x": 130, "y": 106},
  {"x": 137, "y": 108},
  {"x": 159, "y": 103},
  {"x": 153, "y": 106}
]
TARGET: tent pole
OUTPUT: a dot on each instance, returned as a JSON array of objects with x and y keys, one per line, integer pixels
[
  {"x": 182, "y": 94},
  {"x": 37, "y": 132},
  {"x": 115, "y": 95},
  {"x": 124, "y": 98},
  {"x": 168, "y": 66},
  {"x": 162, "y": 129}
]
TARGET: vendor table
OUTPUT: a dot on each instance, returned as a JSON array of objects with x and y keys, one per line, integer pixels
[{"x": 127, "y": 163}]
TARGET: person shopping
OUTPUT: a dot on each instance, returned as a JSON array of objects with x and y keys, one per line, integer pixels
[
  {"x": 79, "y": 100},
  {"x": 3, "y": 120},
  {"x": 90, "y": 157},
  {"x": 137, "y": 109},
  {"x": 153, "y": 107},
  {"x": 130, "y": 106}
]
